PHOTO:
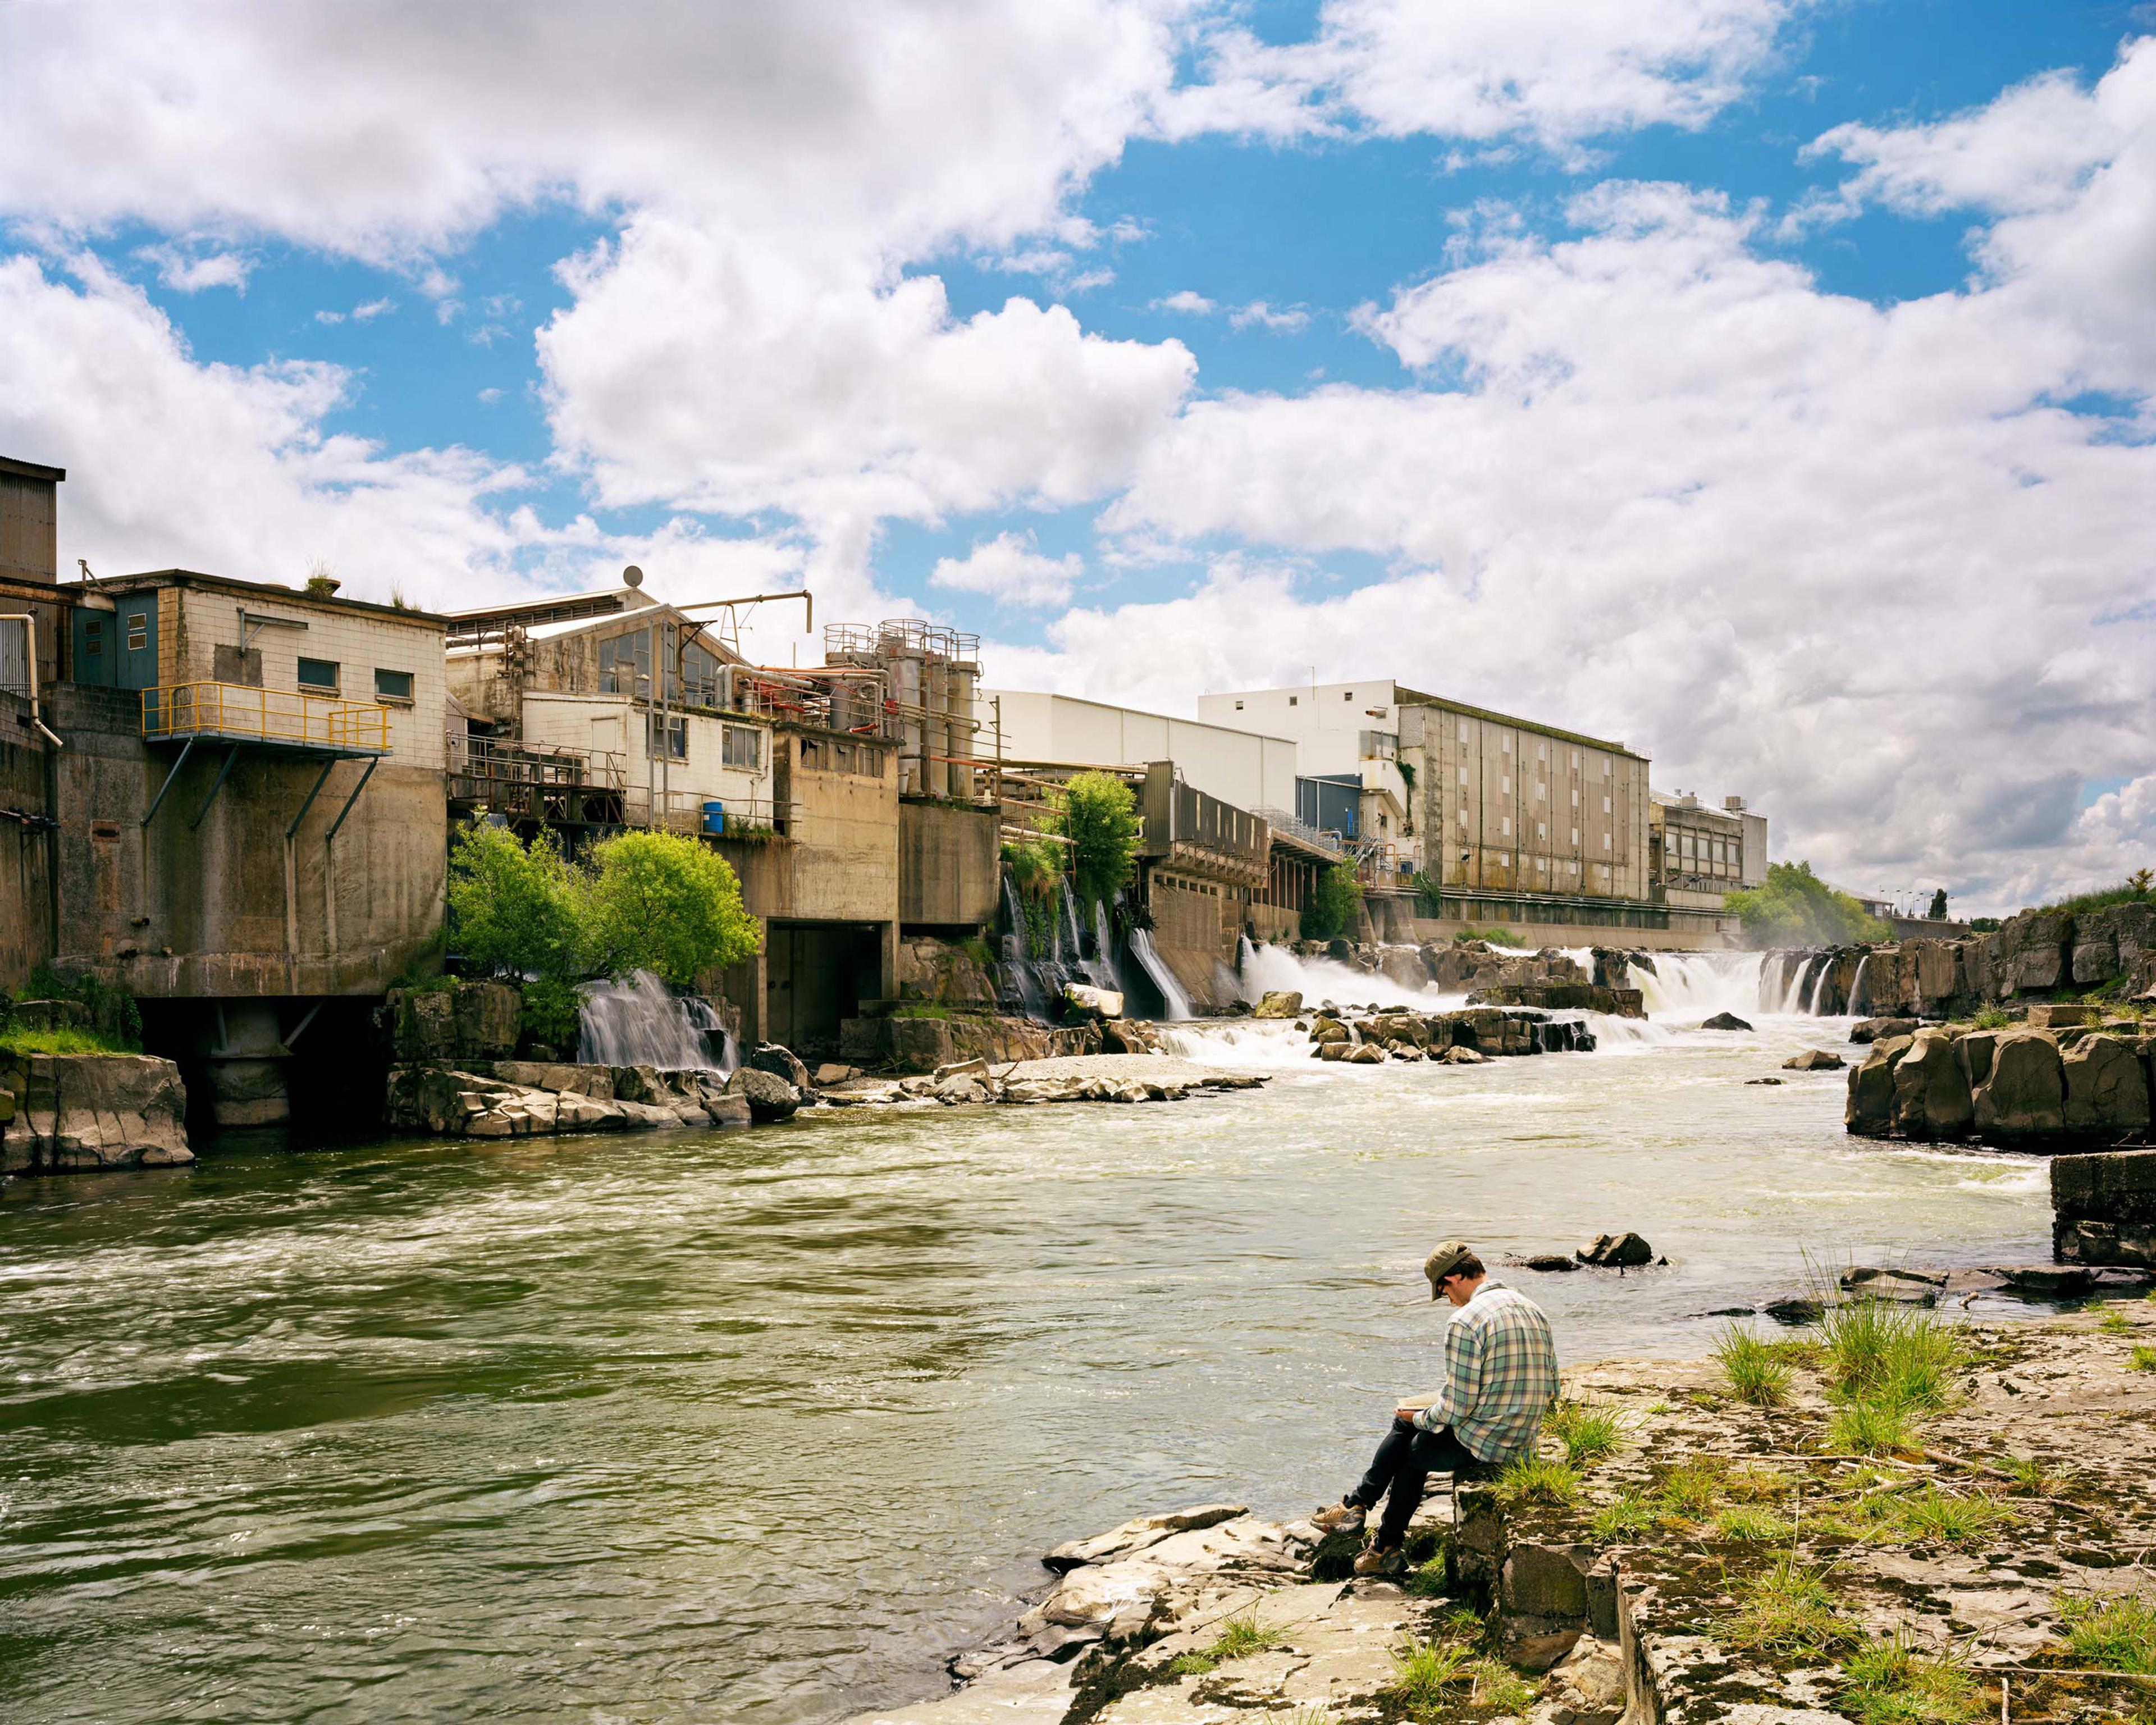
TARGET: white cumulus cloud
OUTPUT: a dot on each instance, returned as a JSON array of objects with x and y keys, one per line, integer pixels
[{"x": 1011, "y": 571}]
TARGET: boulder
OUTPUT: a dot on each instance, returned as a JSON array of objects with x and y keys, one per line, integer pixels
[
  {"x": 1324, "y": 1028},
  {"x": 1976, "y": 1049},
  {"x": 769, "y": 1096},
  {"x": 2024, "y": 1095},
  {"x": 918, "y": 1044},
  {"x": 781, "y": 1063},
  {"x": 1278, "y": 1004},
  {"x": 1931, "y": 1094},
  {"x": 2107, "y": 1090},
  {"x": 1879, "y": 1030},
  {"x": 830, "y": 1072},
  {"x": 1549, "y": 1262},
  {"x": 93, "y": 1112},
  {"x": 1080, "y": 1000},
  {"x": 1869, "y": 1112},
  {"x": 2059, "y": 1014},
  {"x": 1462, "y": 1056},
  {"x": 1814, "y": 1059},
  {"x": 1128, "y": 1036},
  {"x": 1616, "y": 1251},
  {"x": 1368, "y": 1054},
  {"x": 1914, "y": 1287},
  {"x": 1725, "y": 1021}
]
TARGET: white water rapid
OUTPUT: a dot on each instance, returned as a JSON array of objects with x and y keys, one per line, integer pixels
[
  {"x": 641, "y": 1022},
  {"x": 1697, "y": 985}
]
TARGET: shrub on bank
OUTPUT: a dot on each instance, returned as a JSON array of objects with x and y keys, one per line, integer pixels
[
  {"x": 1794, "y": 907},
  {"x": 1335, "y": 902},
  {"x": 1098, "y": 816}
]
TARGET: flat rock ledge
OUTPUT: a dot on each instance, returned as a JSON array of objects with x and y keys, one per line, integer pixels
[
  {"x": 1562, "y": 1624},
  {"x": 91, "y": 1114},
  {"x": 1065, "y": 1078}
]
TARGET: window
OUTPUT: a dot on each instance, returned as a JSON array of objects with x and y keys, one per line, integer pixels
[
  {"x": 667, "y": 734},
  {"x": 1463, "y": 730},
  {"x": 1575, "y": 760},
  {"x": 1541, "y": 830},
  {"x": 1463, "y": 775},
  {"x": 1605, "y": 805},
  {"x": 1508, "y": 826},
  {"x": 1605, "y": 845},
  {"x": 138, "y": 634},
  {"x": 1508, "y": 742},
  {"x": 1293, "y": 699},
  {"x": 1463, "y": 817},
  {"x": 1505, "y": 784},
  {"x": 1239, "y": 707},
  {"x": 625, "y": 665},
  {"x": 1349, "y": 695},
  {"x": 1540, "y": 790},
  {"x": 742, "y": 747},
  {"x": 1575, "y": 796},
  {"x": 392, "y": 685},
  {"x": 318, "y": 674},
  {"x": 1575, "y": 837},
  {"x": 1538, "y": 753}
]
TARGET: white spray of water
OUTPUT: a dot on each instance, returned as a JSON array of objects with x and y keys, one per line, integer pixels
[
  {"x": 644, "y": 1023},
  {"x": 1699, "y": 984},
  {"x": 1268, "y": 969},
  {"x": 1175, "y": 1003}
]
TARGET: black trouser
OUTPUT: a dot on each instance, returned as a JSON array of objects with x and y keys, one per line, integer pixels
[{"x": 1402, "y": 1464}]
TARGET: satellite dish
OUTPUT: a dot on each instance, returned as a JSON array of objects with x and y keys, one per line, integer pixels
[{"x": 633, "y": 575}]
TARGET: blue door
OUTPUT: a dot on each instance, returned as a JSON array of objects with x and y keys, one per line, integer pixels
[
  {"x": 138, "y": 640},
  {"x": 96, "y": 648}
]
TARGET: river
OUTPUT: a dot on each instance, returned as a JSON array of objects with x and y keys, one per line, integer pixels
[{"x": 762, "y": 1425}]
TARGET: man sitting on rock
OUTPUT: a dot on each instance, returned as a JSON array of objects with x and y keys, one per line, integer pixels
[{"x": 1499, "y": 1379}]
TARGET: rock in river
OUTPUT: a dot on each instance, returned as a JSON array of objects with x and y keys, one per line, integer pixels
[
  {"x": 1616, "y": 1251},
  {"x": 1814, "y": 1059},
  {"x": 768, "y": 1097},
  {"x": 1725, "y": 1021}
]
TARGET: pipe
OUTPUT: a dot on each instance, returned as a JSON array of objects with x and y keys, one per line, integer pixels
[{"x": 29, "y": 622}]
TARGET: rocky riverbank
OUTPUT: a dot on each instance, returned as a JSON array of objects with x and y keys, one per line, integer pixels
[
  {"x": 89, "y": 1113},
  {"x": 1679, "y": 1554},
  {"x": 1372, "y": 1034}
]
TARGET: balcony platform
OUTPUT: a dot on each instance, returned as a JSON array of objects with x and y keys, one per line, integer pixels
[{"x": 320, "y": 728}]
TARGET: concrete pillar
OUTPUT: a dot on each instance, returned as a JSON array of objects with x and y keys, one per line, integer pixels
[
  {"x": 887, "y": 961},
  {"x": 247, "y": 1066}
]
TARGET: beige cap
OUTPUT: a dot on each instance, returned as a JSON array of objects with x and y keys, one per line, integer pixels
[{"x": 1439, "y": 1263}]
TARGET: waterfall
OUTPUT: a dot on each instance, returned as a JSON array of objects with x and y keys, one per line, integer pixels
[
  {"x": 1699, "y": 984},
  {"x": 1265, "y": 969},
  {"x": 641, "y": 1022},
  {"x": 1821, "y": 970},
  {"x": 1245, "y": 952},
  {"x": 1175, "y": 1003},
  {"x": 1859, "y": 1001}
]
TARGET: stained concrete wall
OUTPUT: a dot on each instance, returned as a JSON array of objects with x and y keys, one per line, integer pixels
[
  {"x": 950, "y": 865},
  {"x": 26, "y": 847},
  {"x": 231, "y": 908}
]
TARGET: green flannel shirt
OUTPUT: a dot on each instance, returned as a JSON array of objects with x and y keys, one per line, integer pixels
[{"x": 1500, "y": 1374}]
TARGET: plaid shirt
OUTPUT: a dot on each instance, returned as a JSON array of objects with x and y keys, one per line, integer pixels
[{"x": 1500, "y": 1374}]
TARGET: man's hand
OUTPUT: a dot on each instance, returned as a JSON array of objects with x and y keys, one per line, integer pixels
[{"x": 1408, "y": 1411}]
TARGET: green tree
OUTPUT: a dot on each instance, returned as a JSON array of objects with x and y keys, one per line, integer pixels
[
  {"x": 1937, "y": 913},
  {"x": 1097, "y": 813},
  {"x": 515, "y": 907},
  {"x": 661, "y": 902},
  {"x": 1794, "y": 907},
  {"x": 1335, "y": 902}
]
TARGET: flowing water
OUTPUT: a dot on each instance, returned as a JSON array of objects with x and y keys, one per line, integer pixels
[
  {"x": 761, "y": 1426},
  {"x": 641, "y": 1022}
]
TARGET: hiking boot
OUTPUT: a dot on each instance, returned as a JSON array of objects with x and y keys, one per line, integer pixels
[
  {"x": 1382, "y": 1560},
  {"x": 1340, "y": 1518}
]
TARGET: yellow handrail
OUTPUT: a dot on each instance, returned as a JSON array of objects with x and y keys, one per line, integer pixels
[{"x": 288, "y": 716}]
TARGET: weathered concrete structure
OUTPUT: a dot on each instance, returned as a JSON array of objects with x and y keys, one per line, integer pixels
[
  {"x": 1696, "y": 855},
  {"x": 2104, "y": 1208}
]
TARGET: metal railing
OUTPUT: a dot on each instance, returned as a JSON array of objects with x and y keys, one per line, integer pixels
[
  {"x": 1281, "y": 821},
  {"x": 239, "y": 713}
]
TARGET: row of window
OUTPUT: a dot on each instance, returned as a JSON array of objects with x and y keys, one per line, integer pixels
[
  {"x": 325, "y": 676},
  {"x": 741, "y": 746}
]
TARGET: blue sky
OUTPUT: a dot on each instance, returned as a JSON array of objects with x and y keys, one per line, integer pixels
[{"x": 1668, "y": 369}]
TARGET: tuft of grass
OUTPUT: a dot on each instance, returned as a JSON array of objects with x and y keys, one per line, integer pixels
[
  {"x": 2144, "y": 1357},
  {"x": 2113, "y": 1323},
  {"x": 1498, "y": 1685},
  {"x": 1787, "y": 1607},
  {"x": 1990, "y": 1018},
  {"x": 1754, "y": 1484},
  {"x": 1240, "y": 1636},
  {"x": 1428, "y": 1581},
  {"x": 2114, "y": 1635},
  {"x": 67, "y": 1040},
  {"x": 1871, "y": 1428},
  {"x": 1588, "y": 1434},
  {"x": 1631, "y": 1515},
  {"x": 1423, "y": 1671},
  {"x": 1756, "y": 1370},
  {"x": 1933, "y": 1514},
  {"x": 1751, "y": 1524},
  {"x": 1891, "y": 1683},
  {"x": 1882, "y": 1350},
  {"x": 1536, "y": 1479},
  {"x": 1690, "y": 1491},
  {"x": 2029, "y": 1474}
]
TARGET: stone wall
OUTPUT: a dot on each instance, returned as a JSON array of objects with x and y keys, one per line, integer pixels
[
  {"x": 906, "y": 1043},
  {"x": 950, "y": 865},
  {"x": 90, "y": 1113},
  {"x": 2035, "y": 955},
  {"x": 2104, "y": 1208}
]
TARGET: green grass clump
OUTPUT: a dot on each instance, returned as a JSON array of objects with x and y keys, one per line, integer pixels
[
  {"x": 1690, "y": 1491},
  {"x": 1428, "y": 1581},
  {"x": 1757, "y": 1373},
  {"x": 2115, "y": 1635},
  {"x": 2143, "y": 1358},
  {"x": 1588, "y": 1434},
  {"x": 1630, "y": 1515},
  {"x": 1498, "y": 1685},
  {"x": 1787, "y": 1607},
  {"x": 1891, "y": 1683},
  {"x": 2028, "y": 1473},
  {"x": 1990, "y": 1018},
  {"x": 1753, "y": 1484},
  {"x": 1933, "y": 1514},
  {"x": 1536, "y": 1479},
  {"x": 1423, "y": 1671},
  {"x": 67, "y": 1040},
  {"x": 1240, "y": 1636},
  {"x": 1871, "y": 1428},
  {"x": 1881, "y": 1349},
  {"x": 1749, "y": 1523},
  {"x": 2113, "y": 1323}
]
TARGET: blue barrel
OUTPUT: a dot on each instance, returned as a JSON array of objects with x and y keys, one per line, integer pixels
[{"x": 715, "y": 817}]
